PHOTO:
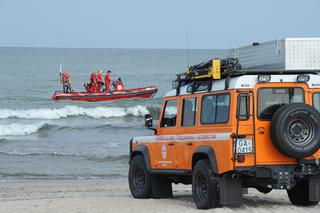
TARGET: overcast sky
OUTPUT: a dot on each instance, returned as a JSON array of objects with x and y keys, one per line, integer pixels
[{"x": 208, "y": 24}]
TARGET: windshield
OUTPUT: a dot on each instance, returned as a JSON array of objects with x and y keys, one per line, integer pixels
[{"x": 271, "y": 99}]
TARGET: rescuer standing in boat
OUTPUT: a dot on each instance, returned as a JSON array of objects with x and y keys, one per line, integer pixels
[
  {"x": 65, "y": 80},
  {"x": 93, "y": 82},
  {"x": 99, "y": 81},
  {"x": 107, "y": 81}
]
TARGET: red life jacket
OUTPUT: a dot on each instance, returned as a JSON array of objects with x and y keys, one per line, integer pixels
[{"x": 93, "y": 76}]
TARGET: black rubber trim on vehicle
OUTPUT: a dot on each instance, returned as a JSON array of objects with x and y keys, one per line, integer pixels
[
  {"x": 143, "y": 150},
  {"x": 171, "y": 172},
  {"x": 209, "y": 152}
]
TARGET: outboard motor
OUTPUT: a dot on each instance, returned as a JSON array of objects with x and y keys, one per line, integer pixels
[{"x": 118, "y": 85}]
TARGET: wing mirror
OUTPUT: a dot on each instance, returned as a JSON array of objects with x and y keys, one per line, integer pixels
[{"x": 148, "y": 122}]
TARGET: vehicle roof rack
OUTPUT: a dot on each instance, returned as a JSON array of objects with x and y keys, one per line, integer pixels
[{"x": 202, "y": 76}]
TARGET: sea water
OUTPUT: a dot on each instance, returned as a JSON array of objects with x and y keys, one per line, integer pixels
[{"x": 45, "y": 139}]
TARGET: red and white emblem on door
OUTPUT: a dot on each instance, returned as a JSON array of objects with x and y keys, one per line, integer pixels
[{"x": 164, "y": 151}]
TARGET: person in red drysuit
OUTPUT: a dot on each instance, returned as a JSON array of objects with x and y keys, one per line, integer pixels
[
  {"x": 99, "y": 81},
  {"x": 65, "y": 80},
  {"x": 93, "y": 82},
  {"x": 107, "y": 81}
]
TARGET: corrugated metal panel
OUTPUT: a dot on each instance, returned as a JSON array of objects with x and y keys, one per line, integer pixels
[{"x": 284, "y": 54}]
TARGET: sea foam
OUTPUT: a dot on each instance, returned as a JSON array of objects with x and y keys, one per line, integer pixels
[
  {"x": 67, "y": 111},
  {"x": 20, "y": 129}
]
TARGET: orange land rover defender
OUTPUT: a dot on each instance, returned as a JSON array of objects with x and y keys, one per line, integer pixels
[{"x": 223, "y": 129}]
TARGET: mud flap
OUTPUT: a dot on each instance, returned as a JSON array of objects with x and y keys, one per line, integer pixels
[
  {"x": 314, "y": 188},
  {"x": 230, "y": 191},
  {"x": 161, "y": 187}
]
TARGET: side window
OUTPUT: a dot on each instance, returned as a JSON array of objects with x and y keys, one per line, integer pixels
[
  {"x": 243, "y": 110},
  {"x": 215, "y": 109},
  {"x": 223, "y": 102},
  {"x": 189, "y": 112},
  {"x": 208, "y": 109},
  {"x": 316, "y": 100},
  {"x": 170, "y": 114}
]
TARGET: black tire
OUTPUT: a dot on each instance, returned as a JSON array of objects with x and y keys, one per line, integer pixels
[
  {"x": 204, "y": 186},
  {"x": 139, "y": 178},
  {"x": 294, "y": 130},
  {"x": 264, "y": 189},
  {"x": 299, "y": 194}
]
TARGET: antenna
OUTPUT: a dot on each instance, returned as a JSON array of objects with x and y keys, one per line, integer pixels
[{"x": 187, "y": 48}]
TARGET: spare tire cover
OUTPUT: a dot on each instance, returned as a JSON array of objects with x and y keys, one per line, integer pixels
[{"x": 295, "y": 130}]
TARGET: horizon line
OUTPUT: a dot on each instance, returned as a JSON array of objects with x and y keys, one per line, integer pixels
[{"x": 133, "y": 48}]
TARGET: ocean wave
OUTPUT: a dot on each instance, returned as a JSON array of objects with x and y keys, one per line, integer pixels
[
  {"x": 16, "y": 129},
  {"x": 95, "y": 158},
  {"x": 47, "y": 176},
  {"x": 68, "y": 111},
  {"x": 20, "y": 129}
]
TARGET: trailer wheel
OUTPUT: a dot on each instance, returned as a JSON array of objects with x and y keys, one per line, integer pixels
[
  {"x": 139, "y": 178},
  {"x": 204, "y": 186},
  {"x": 294, "y": 130},
  {"x": 299, "y": 194}
]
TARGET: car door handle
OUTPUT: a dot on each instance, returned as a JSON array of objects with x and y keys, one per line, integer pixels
[
  {"x": 189, "y": 144},
  {"x": 170, "y": 144}
]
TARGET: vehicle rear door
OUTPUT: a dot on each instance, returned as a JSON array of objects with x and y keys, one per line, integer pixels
[{"x": 269, "y": 98}]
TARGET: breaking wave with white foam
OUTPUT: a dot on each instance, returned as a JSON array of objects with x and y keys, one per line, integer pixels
[
  {"x": 20, "y": 129},
  {"x": 67, "y": 111}
]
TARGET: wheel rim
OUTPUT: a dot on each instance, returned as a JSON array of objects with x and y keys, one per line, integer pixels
[
  {"x": 300, "y": 131},
  {"x": 201, "y": 186},
  {"x": 139, "y": 178}
]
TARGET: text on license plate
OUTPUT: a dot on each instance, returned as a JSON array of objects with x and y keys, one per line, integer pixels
[{"x": 244, "y": 145}]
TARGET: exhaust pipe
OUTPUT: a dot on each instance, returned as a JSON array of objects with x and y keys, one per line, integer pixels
[{"x": 235, "y": 176}]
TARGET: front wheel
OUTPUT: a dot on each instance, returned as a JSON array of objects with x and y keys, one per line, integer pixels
[
  {"x": 139, "y": 178},
  {"x": 204, "y": 186}
]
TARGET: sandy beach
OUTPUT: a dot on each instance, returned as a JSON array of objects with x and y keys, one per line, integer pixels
[{"x": 114, "y": 196}]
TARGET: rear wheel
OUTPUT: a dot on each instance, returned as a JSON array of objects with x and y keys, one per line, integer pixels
[
  {"x": 204, "y": 186},
  {"x": 299, "y": 194},
  {"x": 139, "y": 178}
]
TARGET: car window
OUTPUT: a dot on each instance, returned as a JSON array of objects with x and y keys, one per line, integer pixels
[
  {"x": 243, "y": 107},
  {"x": 189, "y": 112},
  {"x": 316, "y": 100},
  {"x": 215, "y": 109},
  {"x": 170, "y": 114},
  {"x": 271, "y": 99},
  {"x": 222, "y": 108}
]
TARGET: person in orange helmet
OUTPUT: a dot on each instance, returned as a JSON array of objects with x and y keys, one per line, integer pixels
[
  {"x": 99, "y": 81},
  {"x": 107, "y": 81}
]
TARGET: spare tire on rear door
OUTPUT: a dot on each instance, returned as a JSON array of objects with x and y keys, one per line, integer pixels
[{"x": 295, "y": 130}]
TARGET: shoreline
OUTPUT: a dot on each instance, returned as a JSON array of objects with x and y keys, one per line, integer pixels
[{"x": 113, "y": 195}]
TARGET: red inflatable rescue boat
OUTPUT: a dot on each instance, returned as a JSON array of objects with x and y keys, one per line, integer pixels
[{"x": 146, "y": 92}]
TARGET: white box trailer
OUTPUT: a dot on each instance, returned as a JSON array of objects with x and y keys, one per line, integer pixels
[{"x": 281, "y": 54}]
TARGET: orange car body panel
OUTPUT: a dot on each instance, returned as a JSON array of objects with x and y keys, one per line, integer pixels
[{"x": 179, "y": 154}]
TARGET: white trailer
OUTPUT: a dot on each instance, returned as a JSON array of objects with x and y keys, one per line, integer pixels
[{"x": 280, "y": 54}]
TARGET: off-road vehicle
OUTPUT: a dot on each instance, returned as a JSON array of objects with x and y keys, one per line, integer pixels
[{"x": 224, "y": 129}]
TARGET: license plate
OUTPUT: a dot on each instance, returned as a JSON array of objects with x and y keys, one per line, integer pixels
[{"x": 244, "y": 145}]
